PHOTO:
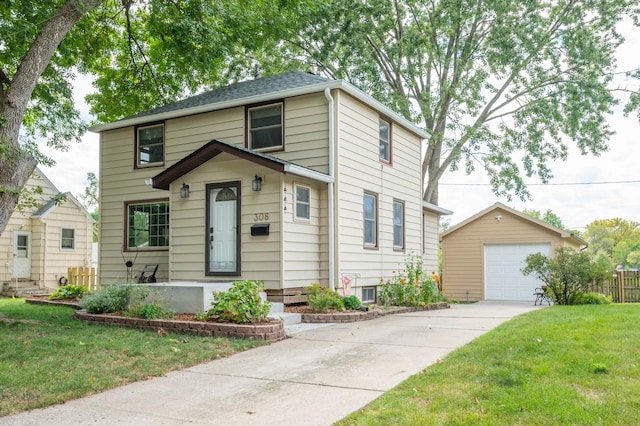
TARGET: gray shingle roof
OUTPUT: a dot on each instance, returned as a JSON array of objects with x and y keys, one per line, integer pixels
[{"x": 244, "y": 89}]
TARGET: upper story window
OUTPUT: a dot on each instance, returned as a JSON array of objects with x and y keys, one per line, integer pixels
[
  {"x": 148, "y": 225},
  {"x": 68, "y": 239},
  {"x": 385, "y": 141},
  {"x": 303, "y": 202},
  {"x": 265, "y": 127},
  {"x": 150, "y": 145}
]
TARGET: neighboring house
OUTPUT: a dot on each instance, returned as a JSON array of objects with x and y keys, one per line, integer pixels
[
  {"x": 40, "y": 244},
  {"x": 482, "y": 257},
  {"x": 291, "y": 179}
]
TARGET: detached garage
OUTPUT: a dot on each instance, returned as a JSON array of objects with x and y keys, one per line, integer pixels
[{"x": 482, "y": 257}]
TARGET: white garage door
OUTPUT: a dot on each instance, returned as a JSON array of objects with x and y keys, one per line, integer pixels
[{"x": 503, "y": 278}]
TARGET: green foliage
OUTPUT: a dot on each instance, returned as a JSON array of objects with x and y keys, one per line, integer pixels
[
  {"x": 351, "y": 303},
  {"x": 593, "y": 299},
  {"x": 458, "y": 67},
  {"x": 618, "y": 239},
  {"x": 323, "y": 299},
  {"x": 241, "y": 304},
  {"x": 111, "y": 298},
  {"x": 549, "y": 217},
  {"x": 68, "y": 292},
  {"x": 410, "y": 287},
  {"x": 147, "y": 303},
  {"x": 600, "y": 368},
  {"x": 567, "y": 275}
]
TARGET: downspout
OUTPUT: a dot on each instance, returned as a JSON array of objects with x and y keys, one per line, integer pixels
[{"x": 331, "y": 203}]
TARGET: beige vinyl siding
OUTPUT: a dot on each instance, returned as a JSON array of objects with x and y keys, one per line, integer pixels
[
  {"x": 463, "y": 250},
  {"x": 260, "y": 255},
  {"x": 360, "y": 170},
  {"x": 303, "y": 249},
  {"x": 430, "y": 242}
]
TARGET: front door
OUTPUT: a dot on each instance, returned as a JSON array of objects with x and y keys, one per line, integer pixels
[
  {"x": 223, "y": 230},
  {"x": 21, "y": 254}
]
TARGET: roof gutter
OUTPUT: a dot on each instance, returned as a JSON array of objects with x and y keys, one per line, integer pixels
[{"x": 294, "y": 169}]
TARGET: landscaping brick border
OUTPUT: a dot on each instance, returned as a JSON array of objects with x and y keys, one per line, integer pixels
[
  {"x": 53, "y": 303},
  {"x": 271, "y": 332},
  {"x": 364, "y": 316}
]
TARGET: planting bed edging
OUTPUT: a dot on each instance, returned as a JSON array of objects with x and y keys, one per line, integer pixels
[
  {"x": 363, "y": 316},
  {"x": 272, "y": 331},
  {"x": 53, "y": 303}
]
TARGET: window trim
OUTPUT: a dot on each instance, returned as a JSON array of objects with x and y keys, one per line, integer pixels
[
  {"x": 375, "y": 294},
  {"x": 136, "y": 159},
  {"x": 62, "y": 238},
  {"x": 295, "y": 202},
  {"x": 375, "y": 244},
  {"x": 126, "y": 247},
  {"x": 402, "y": 224},
  {"x": 389, "y": 141},
  {"x": 247, "y": 125}
]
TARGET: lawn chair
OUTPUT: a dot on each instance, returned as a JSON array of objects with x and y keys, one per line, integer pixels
[
  {"x": 541, "y": 295},
  {"x": 148, "y": 274}
]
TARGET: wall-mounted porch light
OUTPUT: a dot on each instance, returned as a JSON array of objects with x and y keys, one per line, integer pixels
[
  {"x": 257, "y": 183},
  {"x": 184, "y": 191}
]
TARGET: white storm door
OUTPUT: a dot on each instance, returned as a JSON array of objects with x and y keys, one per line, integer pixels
[
  {"x": 223, "y": 204},
  {"x": 21, "y": 254}
]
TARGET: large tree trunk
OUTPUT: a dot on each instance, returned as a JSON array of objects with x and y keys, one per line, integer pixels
[{"x": 15, "y": 164}]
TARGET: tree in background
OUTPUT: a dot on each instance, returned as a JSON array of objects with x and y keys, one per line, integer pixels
[
  {"x": 144, "y": 54},
  {"x": 90, "y": 199},
  {"x": 618, "y": 239},
  {"x": 549, "y": 217},
  {"x": 490, "y": 80}
]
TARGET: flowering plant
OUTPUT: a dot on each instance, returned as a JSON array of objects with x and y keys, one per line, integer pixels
[{"x": 411, "y": 286}]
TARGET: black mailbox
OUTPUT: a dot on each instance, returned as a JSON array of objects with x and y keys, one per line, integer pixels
[{"x": 260, "y": 229}]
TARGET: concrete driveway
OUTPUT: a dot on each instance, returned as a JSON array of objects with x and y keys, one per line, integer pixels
[{"x": 316, "y": 377}]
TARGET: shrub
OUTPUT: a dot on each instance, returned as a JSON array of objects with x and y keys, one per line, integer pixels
[
  {"x": 111, "y": 298},
  {"x": 145, "y": 303},
  {"x": 69, "y": 292},
  {"x": 410, "y": 287},
  {"x": 323, "y": 299},
  {"x": 567, "y": 275},
  {"x": 594, "y": 299},
  {"x": 351, "y": 303},
  {"x": 241, "y": 304}
]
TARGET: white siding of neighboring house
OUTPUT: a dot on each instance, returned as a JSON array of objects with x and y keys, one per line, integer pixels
[{"x": 359, "y": 169}]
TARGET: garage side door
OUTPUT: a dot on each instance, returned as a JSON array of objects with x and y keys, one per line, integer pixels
[{"x": 503, "y": 279}]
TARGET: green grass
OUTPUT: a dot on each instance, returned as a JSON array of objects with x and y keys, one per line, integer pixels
[
  {"x": 565, "y": 365},
  {"x": 47, "y": 357}
]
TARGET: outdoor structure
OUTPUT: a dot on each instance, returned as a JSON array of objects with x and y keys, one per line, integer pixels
[
  {"x": 290, "y": 179},
  {"x": 42, "y": 242},
  {"x": 482, "y": 257}
]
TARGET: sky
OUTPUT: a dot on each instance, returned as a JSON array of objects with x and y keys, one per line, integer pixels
[{"x": 583, "y": 189}]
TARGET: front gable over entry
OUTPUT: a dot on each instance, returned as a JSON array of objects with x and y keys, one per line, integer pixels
[{"x": 215, "y": 147}]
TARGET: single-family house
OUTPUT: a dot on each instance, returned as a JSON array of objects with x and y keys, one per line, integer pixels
[
  {"x": 483, "y": 256},
  {"x": 290, "y": 179},
  {"x": 43, "y": 240}
]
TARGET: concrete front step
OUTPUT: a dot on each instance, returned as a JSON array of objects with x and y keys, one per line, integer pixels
[{"x": 288, "y": 318}]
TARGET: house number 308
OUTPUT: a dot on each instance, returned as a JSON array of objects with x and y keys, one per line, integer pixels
[{"x": 259, "y": 217}]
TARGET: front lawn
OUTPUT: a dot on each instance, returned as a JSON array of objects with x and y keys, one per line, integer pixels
[
  {"x": 561, "y": 365},
  {"x": 46, "y": 357}
]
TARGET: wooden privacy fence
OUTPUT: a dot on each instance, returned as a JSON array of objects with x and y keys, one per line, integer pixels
[
  {"x": 623, "y": 287},
  {"x": 85, "y": 277}
]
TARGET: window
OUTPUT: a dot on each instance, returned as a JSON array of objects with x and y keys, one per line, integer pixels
[
  {"x": 265, "y": 127},
  {"x": 148, "y": 225},
  {"x": 150, "y": 145},
  {"x": 368, "y": 295},
  {"x": 398, "y": 225},
  {"x": 68, "y": 238},
  {"x": 302, "y": 202},
  {"x": 370, "y": 220},
  {"x": 385, "y": 141}
]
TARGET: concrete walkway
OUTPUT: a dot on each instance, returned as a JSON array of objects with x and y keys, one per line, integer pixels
[{"x": 318, "y": 376}]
